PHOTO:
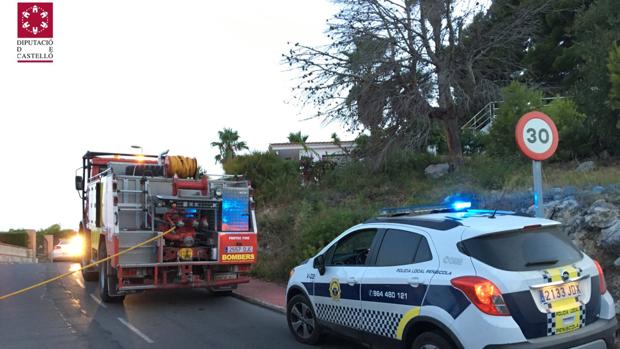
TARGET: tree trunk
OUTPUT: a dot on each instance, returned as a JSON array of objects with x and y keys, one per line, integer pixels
[
  {"x": 453, "y": 139},
  {"x": 447, "y": 114}
]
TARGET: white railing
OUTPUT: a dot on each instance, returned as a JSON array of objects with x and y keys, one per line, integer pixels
[{"x": 484, "y": 118}]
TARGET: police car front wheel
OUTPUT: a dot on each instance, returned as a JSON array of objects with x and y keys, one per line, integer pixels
[
  {"x": 302, "y": 320},
  {"x": 431, "y": 340}
]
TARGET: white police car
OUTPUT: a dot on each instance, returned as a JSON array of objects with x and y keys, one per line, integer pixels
[{"x": 453, "y": 279}]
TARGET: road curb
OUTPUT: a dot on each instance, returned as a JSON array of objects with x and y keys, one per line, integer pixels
[{"x": 260, "y": 303}]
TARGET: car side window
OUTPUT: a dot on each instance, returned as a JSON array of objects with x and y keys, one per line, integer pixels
[
  {"x": 353, "y": 249},
  {"x": 424, "y": 253},
  {"x": 398, "y": 247}
]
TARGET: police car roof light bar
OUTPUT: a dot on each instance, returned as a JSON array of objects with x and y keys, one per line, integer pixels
[
  {"x": 415, "y": 210},
  {"x": 486, "y": 211}
]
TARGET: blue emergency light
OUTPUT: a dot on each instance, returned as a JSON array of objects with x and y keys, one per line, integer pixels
[
  {"x": 461, "y": 205},
  {"x": 459, "y": 202}
]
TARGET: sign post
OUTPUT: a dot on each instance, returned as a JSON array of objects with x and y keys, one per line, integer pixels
[
  {"x": 538, "y": 191},
  {"x": 537, "y": 138}
]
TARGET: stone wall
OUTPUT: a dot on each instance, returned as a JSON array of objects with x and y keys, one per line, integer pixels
[
  {"x": 16, "y": 254},
  {"x": 591, "y": 218}
]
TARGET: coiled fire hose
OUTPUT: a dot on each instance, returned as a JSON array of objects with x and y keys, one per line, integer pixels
[
  {"x": 182, "y": 166},
  {"x": 43, "y": 283}
]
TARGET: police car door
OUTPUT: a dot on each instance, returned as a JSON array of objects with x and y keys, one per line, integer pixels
[
  {"x": 395, "y": 283},
  {"x": 337, "y": 292}
]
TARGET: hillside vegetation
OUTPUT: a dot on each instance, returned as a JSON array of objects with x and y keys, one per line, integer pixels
[{"x": 296, "y": 220}]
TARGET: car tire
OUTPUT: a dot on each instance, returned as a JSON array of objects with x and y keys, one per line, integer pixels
[
  {"x": 301, "y": 320},
  {"x": 107, "y": 281},
  {"x": 431, "y": 340}
]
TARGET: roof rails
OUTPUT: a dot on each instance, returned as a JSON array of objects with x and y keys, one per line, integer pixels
[
  {"x": 436, "y": 224},
  {"x": 424, "y": 209}
]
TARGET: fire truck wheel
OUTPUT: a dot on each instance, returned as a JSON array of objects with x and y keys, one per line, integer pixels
[
  {"x": 301, "y": 320},
  {"x": 107, "y": 282}
]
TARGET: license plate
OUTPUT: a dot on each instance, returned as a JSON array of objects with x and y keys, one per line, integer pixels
[
  {"x": 555, "y": 293},
  {"x": 186, "y": 254},
  {"x": 225, "y": 276},
  {"x": 239, "y": 249}
]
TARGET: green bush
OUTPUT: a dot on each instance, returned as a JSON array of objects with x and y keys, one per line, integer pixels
[
  {"x": 317, "y": 227},
  {"x": 613, "y": 66},
  {"x": 271, "y": 176},
  {"x": 570, "y": 123},
  {"x": 473, "y": 142},
  {"x": 15, "y": 237},
  {"x": 518, "y": 99},
  {"x": 491, "y": 172}
]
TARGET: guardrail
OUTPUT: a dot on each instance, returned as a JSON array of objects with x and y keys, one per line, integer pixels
[{"x": 16, "y": 254}]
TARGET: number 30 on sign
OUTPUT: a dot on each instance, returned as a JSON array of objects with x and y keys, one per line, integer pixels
[{"x": 537, "y": 136}]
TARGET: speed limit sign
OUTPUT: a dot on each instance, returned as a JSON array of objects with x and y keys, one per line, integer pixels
[{"x": 537, "y": 136}]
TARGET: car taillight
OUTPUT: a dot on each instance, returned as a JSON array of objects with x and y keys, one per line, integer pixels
[
  {"x": 483, "y": 293},
  {"x": 602, "y": 285}
]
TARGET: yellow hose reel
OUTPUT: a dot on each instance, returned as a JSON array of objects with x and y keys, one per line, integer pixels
[{"x": 181, "y": 166}]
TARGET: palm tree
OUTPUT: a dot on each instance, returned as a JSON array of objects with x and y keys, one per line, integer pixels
[
  {"x": 298, "y": 138},
  {"x": 336, "y": 140},
  {"x": 228, "y": 145}
]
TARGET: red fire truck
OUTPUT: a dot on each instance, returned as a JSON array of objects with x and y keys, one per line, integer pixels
[{"x": 129, "y": 198}]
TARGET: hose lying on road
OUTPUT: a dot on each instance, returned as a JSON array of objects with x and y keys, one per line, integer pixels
[{"x": 43, "y": 283}]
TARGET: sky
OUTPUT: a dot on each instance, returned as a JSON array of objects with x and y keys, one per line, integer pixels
[{"x": 161, "y": 75}]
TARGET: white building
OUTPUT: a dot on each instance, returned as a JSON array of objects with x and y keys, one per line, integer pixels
[{"x": 316, "y": 150}]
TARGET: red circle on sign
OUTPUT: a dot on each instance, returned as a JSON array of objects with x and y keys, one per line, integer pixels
[{"x": 521, "y": 140}]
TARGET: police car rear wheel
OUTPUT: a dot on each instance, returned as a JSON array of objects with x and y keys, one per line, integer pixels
[
  {"x": 431, "y": 340},
  {"x": 302, "y": 320}
]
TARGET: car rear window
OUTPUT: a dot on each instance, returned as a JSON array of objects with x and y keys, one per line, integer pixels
[{"x": 523, "y": 250}]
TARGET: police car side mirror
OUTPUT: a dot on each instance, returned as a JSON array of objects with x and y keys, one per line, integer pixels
[{"x": 319, "y": 263}]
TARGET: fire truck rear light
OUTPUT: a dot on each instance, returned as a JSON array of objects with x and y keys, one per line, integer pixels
[
  {"x": 601, "y": 278},
  {"x": 483, "y": 293}
]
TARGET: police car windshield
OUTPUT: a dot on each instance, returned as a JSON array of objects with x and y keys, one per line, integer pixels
[{"x": 523, "y": 250}]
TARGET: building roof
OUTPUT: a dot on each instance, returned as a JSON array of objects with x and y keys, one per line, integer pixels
[{"x": 312, "y": 144}]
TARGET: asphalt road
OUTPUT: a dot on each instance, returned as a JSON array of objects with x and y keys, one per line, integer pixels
[{"x": 69, "y": 314}]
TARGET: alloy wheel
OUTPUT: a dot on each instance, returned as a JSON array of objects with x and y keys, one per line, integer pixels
[{"x": 302, "y": 321}]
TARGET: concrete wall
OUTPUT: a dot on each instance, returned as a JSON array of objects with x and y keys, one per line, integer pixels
[{"x": 16, "y": 254}]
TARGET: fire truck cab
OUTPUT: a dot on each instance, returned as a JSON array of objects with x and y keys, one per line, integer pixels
[{"x": 130, "y": 198}]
